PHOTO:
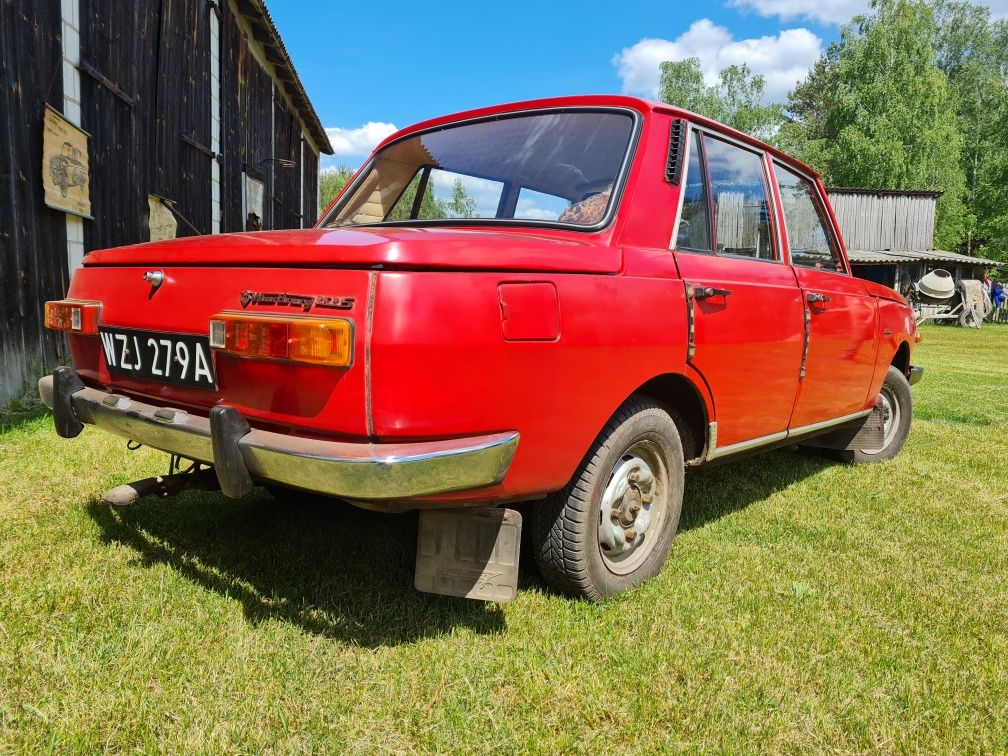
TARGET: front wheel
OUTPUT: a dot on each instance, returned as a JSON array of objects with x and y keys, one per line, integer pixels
[
  {"x": 612, "y": 526},
  {"x": 897, "y": 413}
]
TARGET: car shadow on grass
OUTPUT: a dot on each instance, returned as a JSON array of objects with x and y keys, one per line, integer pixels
[
  {"x": 324, "y": 566},
  {"x": 345, "y": 573},
  {"x": 718, "y": 491}
]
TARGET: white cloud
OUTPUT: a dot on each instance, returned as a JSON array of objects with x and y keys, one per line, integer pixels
[
  {"x": 823, "y": 11},
  {"x": 360, "y": 141},
  {"x": 783, "y": 59},
  {"x": 829, "y": 11}
]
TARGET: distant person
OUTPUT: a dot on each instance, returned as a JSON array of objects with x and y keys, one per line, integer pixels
[{"x": 997, "y": 293}]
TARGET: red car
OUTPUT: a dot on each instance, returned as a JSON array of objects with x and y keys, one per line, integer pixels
[{"x": 567, "y": 302}]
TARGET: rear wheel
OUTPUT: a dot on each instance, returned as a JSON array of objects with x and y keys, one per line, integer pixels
[
  {"x": 612, "y": 526},
  {"x": 896, "y": 402}
]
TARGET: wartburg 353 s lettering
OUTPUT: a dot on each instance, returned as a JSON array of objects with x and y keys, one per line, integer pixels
[{"x": 566, "y": 302}]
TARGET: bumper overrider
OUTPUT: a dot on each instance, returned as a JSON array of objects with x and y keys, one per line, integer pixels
[{"x": 243, "y": 456}]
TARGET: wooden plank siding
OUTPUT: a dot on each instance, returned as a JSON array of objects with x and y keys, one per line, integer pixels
[
  {"x": 886, "y": 221},
  {"x": 33, "y": 239},
  {"x": 286, "y": 179},
  {"x": 146, "y": 102}
]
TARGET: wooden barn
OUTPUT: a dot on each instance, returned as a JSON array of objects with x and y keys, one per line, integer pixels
[
  {"x": 890, "y": 237},
  {"x": 126, "y": 122}
]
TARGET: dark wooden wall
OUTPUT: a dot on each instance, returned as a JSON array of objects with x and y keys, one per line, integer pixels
[
  {"x": 157, "y": 54},
  {"x": 145, "y": 101},
  {"x": 32, "y": 237},
  {"x": 246, "y": 113}
]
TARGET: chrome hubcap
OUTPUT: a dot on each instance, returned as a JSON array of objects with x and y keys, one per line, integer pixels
[
  {"x": 890, "y": 419},
  {"x": 634, "y": 506}
]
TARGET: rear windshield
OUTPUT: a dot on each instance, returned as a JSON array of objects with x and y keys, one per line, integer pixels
[{"x": 550, "y": 167}]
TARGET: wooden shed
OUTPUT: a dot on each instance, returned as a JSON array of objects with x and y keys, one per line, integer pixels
[
  {"x": 889, "y": 236},
  {"x": 124, "y": 122}
]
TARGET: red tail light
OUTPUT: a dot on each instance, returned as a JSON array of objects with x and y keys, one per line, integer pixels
[
  {"x": 317, "y": 341},
  {"x": 73, "y": 316}
]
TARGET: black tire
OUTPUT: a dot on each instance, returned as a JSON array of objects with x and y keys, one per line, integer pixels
[
  {"x": 567, "y": 527},
  {"x": 896, "y": 390}
]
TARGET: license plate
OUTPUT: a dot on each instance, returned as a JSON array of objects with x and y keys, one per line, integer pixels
[{"x": 183, "y": 359}]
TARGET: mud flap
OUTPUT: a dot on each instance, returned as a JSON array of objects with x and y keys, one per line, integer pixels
[
  {"x": 472, "y": 553},
  {"x": 65, "y": 384},
  {"x": 227, "y": 427},
  {"x": 866, "y": 433}
]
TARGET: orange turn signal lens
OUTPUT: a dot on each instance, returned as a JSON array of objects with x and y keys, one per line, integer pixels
[
  {"x": 316, "y": 341},
  {"x": 73, "y": 316}
]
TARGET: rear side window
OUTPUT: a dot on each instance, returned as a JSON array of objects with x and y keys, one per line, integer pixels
[
  {"x": 741, "y": 208},
  {"x": 694, "y": 224},
  {"x": 810, "y": 243}
]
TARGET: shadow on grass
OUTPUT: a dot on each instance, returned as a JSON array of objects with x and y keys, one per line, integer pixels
[
  {"x": 718, "y": 491},
  {"x": 345, "y": 573},
  {"x": 16, "y": 417},
  {"x": 327, "y": 567}
]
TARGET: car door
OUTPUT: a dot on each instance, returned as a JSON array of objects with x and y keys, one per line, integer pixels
[
  {"x": 745, "y": 311},
  {"x": 841, "y": 317}
]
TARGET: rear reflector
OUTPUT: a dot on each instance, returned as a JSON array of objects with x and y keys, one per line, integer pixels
[
  {"x": 316, "y": 341},
  {"x": 73, "y": 316}
]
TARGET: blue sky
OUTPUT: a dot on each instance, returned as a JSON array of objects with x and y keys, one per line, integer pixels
[{"x": 372, "y": 67}]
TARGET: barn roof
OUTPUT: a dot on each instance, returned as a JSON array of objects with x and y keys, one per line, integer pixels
[
  {"x": 266, "y": 34},
  {"x": 884, "y": 192},
  {"x": 864, "y": 257}
]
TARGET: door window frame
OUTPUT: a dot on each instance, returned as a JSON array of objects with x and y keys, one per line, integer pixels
[
  {"x": 769, "y": 186},
  {"x": 821, "y": 205}
]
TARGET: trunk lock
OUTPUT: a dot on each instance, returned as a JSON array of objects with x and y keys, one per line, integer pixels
[{"x": 154, "y": 277}]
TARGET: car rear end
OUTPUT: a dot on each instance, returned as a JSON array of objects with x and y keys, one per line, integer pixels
[{"x": 254, "y": 364}]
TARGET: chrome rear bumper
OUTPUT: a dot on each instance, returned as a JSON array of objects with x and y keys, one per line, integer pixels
[
  {"x": 356, "y": 471},
  {"x": 916, "y": 373}
]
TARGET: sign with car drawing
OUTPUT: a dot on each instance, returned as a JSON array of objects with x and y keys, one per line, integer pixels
[{"x": 65, "y": 175}]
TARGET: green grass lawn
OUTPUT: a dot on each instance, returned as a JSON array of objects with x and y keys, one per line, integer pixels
[{"x": 806, "y": 606}]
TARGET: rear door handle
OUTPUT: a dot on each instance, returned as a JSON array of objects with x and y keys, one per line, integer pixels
[
  {"x": 706, "y": 292},
  {"x": 816, "y": 298}
]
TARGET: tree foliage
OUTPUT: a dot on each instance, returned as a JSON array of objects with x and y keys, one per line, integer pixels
[
  {"x": 736, "y": 99},
  {"x": 460, "y": 205},
  {"x": 914, "y": 95},
  {"x": 877, "y": 111},
  {"x": 972, "y": 50},
  {"x": 331, "y": 182}
]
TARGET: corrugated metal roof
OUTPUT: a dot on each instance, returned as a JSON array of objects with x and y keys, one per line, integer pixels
[
  {"x": 266, "y": 34},
  {"x": 864, "y": 257},
  {"x": 884, "y": 192}
]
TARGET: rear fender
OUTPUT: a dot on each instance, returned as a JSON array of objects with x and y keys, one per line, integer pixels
[{"x": 441, "y": 366}]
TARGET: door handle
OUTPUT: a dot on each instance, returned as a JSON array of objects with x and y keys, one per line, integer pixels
[
  {"x": 816, "y": 298},
  {"x": 706, "y": 292}
]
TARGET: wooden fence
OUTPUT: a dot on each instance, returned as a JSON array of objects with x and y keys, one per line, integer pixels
[{"x": 1000, "y": 315}]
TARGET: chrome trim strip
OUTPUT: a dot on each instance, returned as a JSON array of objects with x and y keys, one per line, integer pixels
[
  {"x": 742, "y": 446},
  {"x": 359, "y": 471},
  {"x": 683, "y": 177},
  {"x": 804, "y": 430},
  {"x": 824, "y": 424},
  {"x": 368, "y": 332}
]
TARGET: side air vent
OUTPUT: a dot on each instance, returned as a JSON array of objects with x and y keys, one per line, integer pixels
[{"x": 676, "y": 148}]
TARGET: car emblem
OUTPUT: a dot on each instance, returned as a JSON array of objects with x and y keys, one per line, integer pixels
[{"x": 303, "y": 301}]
